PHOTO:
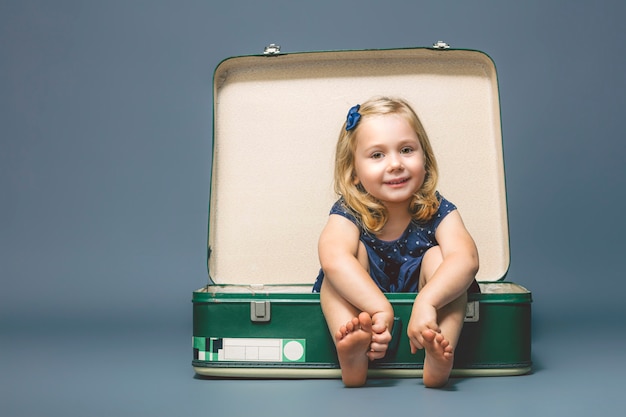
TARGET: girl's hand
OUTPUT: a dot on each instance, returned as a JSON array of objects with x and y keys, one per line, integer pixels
[
  {"x": 423, "y": 317},
  {"x": 381, "y": 336}
]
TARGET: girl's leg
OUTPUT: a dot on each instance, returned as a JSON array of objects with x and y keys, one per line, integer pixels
[
  {"x": 351, "y": 330},
  {"x": 440, "y": 347},
  {"x": 352, "y": 334}
]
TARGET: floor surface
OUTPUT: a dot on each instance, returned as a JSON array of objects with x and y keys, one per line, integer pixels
[{"x": 126, "y": 371}]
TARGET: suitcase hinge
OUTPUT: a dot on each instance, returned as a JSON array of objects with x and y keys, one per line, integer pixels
[
  {"x": 472, "y": 312},
  {"x": 272, "y": 49},
  {"x": 260, "y": 311},
  {"x": 440, "y": 45}
]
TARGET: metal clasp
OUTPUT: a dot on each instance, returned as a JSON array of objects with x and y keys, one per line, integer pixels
[
  {"x": 272, "y": 49},
  {"x": 441, "y": 45},
  {"x": 260, "y": 311},
  {"x": 472, "y": 312}
]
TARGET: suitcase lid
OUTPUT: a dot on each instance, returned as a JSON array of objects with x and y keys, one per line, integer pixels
[{"x": 276, "y": 119}]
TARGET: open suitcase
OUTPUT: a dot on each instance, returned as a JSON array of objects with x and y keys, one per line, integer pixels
[{"x": 276, "y": 121}]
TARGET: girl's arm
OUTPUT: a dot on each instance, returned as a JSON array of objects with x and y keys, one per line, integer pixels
[
  {"x": 338, "y": 252},
  {"x": 459, "y": 265}
]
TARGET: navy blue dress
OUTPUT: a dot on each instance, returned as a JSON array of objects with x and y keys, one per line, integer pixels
[{"x": 395, "y": 265}]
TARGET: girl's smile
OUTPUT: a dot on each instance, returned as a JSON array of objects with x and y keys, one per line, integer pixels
[
  {"x": 397, "y": 182},
  {"x": 389, "y": 161}
]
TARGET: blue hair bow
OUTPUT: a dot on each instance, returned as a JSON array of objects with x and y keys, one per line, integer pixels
[{"x": 353, "y": 117}]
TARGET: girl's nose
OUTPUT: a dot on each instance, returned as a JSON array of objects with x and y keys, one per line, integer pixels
[{"x": 394, "y": 163}]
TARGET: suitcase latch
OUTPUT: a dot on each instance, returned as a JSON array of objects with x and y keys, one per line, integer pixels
[
  {"x": 260, "y": 311},
  {"x": 471, "y": 312},
  {"x": 272, "y": 49},
  {"x": 441, "y": 45}
]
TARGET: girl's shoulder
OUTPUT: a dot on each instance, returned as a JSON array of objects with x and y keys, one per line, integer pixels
[
  {"x": 445, "y": 205},
  {"x": 445, "y": 208},
  {"x": 341, "y": 208}
]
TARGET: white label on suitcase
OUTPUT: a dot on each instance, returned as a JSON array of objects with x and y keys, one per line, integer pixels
[{"x": 250, "y": 349}]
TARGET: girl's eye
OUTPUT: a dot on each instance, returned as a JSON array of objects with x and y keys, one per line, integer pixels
[
  {"x": 377, "y": 155},
  {"x": 406, "y": 150}
]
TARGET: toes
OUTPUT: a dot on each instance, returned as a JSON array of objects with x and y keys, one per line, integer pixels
[
  {"x": 339, "y": 334},
  {"x": 437, "y": 344},
  {"x": 365, "y": 321},
  {"x": 429, "y": 335},
  {"x": 349, "y": 327}
]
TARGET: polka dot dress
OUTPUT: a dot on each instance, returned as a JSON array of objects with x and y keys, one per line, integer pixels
[{"x": 395, "y": 265}]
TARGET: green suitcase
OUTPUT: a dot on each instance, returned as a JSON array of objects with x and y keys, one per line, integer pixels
[{"x": 276, "y": 118}]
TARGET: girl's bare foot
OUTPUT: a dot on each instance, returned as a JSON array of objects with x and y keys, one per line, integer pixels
[
  {"x": 439, "y": 359},
  {"x": 353, "y": 342}
]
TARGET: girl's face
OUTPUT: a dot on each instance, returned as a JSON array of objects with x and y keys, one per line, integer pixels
[{"x": 389, "y": 160}]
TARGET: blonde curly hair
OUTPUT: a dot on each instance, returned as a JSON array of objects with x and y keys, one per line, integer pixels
[{"x": 370, "y": 211}]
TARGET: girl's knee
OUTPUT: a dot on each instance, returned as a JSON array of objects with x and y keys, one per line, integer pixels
[{"x": 433, "y": 255}]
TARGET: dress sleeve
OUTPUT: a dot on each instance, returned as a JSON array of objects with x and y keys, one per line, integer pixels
[
  {"x": 341, "y": 209},
  {"x": 445, "y": 208}
]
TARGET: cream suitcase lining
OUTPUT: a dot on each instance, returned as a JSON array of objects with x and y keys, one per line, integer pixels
[{"x": 278, "y": 119}]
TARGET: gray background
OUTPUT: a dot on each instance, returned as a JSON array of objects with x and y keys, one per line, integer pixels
[{"x": 105, "y": 138}]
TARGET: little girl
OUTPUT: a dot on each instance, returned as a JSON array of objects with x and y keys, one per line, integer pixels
[{"x": 391, "y": 231}]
